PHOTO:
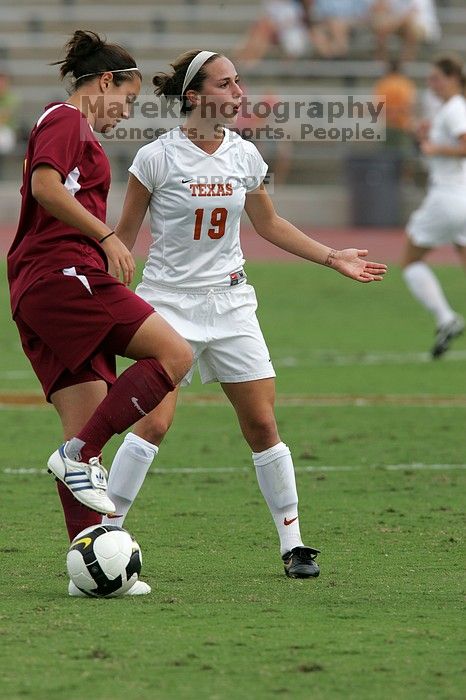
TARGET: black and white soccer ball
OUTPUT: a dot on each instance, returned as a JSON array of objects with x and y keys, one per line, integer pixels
[{"x": 104, "y": 561}]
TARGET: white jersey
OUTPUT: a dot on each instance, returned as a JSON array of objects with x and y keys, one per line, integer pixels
[
  {"x": 195, "y": 208},
  {"x": 447, "y": 126}
]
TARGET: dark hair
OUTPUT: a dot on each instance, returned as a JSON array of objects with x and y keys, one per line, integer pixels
[
  {"x": 452, "y": 66},
  {"x": 171, "y": 85},
  {"x": 87, "y": 53}
]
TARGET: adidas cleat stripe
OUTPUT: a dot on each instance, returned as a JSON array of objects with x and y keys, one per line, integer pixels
[{"x": 86, "y": 481}]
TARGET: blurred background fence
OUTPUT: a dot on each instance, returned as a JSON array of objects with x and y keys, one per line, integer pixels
[{"x": 280, "y": 48}]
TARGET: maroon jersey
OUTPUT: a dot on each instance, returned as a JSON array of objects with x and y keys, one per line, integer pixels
[{"x": 63, "y": 139}]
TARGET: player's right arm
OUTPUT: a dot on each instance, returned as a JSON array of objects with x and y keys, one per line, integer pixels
[
  {"x": 134, "y": 210},
  {"x": 48, "y": 190}
]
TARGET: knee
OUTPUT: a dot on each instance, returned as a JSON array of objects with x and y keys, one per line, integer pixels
[
  {"x": 154, "y": 427},
  {"x": 407, "y": 265},
  {"x": 185, "y": 359},
  {"x": 261, "y": 433},
  {"x": 179, "y": 362}
]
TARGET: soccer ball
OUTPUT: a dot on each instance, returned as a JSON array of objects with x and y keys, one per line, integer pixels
[{"x": 104, "y": 561}]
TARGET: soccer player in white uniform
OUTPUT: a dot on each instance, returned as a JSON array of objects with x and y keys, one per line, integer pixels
[
  {"x": 196, "y": 180},
  {"x": 441, "y": 218}
]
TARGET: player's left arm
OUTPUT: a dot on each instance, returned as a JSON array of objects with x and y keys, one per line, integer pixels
[
  {"x": 135, "y": 206},
  {"x": 458, "y": 151},
  {"x": 269, "y": 225}
]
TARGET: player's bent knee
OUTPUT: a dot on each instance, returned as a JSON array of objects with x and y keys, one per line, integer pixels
[
  {"x": 156, "y": 428},
  {"x": 184, "y": 361},
  {"x": 179, "y": 362}
]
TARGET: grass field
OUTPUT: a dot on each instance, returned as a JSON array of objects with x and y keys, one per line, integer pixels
[{"x": 377, "y": 433}]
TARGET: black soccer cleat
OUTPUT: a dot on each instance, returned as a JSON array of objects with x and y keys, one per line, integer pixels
[
  {"x": 300, "y": 563},
  {"x": 445, "y": 334}
]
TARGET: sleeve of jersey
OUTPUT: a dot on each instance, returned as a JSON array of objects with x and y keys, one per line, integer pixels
[
  {"x": 146, "y": 167},
  {"x": 257, "y": 168},
  {"x": 457, "y": 119},
  {"x": 59, "y": 141}
]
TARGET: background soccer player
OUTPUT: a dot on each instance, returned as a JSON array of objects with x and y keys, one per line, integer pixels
[{"x": 441, "y": 217}]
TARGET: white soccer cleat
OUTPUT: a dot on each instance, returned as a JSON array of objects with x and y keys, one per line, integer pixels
[
  {"x": 138, "y": 588},
  {"x": 86, "y": 481}
]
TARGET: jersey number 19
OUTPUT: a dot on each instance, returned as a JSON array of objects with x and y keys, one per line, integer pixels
[{"x": 218, "y": 220}]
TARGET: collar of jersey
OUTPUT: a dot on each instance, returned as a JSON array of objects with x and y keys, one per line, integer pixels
[{"x": 191, "y": 143}]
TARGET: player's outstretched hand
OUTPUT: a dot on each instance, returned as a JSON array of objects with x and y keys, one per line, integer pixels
[
  {"x": 350, "y": 262},
  {"x": 121, "y": 262}
]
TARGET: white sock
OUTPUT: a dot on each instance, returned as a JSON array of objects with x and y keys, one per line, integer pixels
[
  {"x": 275, "y": 474},
  {"x": 127, "y": 474},
  {"x": 425, "y": 287}
]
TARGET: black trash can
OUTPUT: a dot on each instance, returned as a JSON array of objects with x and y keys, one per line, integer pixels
[{"x": 374, "y": 184}]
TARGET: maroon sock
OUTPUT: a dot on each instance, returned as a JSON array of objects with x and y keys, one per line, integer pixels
[
  {"x": 77, "y": 516},
  {"x": 135, "y": 393}
]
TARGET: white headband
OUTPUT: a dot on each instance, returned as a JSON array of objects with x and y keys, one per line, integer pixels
[
  {"x": 107, "y": 70},
  {"x": 195, "y": 66}
]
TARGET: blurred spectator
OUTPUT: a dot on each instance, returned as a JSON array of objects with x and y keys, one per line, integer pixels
[
  {"x": 252, "y": 126},
  {"x": 8, "y": 114},
  {"x": 8, "y": 104},
  {"x": 415, "y": 21},
  {"x": 399, "y": 94},
  {"x": 283, "y": 22},
  {"x": 332, "y": 22}
]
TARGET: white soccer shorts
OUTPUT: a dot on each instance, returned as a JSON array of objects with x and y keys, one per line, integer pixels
[
  {"x": 440, "y": 220},
  {"x": 221, "y": 326}
]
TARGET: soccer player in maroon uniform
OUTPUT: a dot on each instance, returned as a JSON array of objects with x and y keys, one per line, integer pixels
[{"x": 72, "y": 315}]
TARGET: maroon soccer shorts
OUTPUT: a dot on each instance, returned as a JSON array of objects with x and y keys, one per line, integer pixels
[{"x": 72, "y": 323}]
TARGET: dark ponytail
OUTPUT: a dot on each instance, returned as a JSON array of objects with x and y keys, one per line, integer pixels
[
  {"x": 452, "y": 66},
  {"x": 171, "y": 86},
  {"x": 87, "y": 54}
]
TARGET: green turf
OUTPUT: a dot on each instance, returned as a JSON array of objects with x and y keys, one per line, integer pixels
[{"x": 382, "y": 621}]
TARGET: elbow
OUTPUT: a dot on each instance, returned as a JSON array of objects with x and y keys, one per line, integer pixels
[{"x": 266, "y": 227}]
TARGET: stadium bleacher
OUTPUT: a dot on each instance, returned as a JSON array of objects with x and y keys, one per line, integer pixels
[{"x": 32, "y": 35}]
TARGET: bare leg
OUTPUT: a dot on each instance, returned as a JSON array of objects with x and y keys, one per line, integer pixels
[
  {"x": 76, "y": 404},
  {"x": 155, "y": 426},
  {"x": 254, "y": 406},
  {"x": 321, "y": 40},
  {"x": 410, "y": 36},
  {"x": 461, "y": 251},
  {"x": 338, "y": 31},
  {"x": 156, "y": 338},
  {"x": 412, "y": 253},
  {"x": 259, "y": 38}
]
